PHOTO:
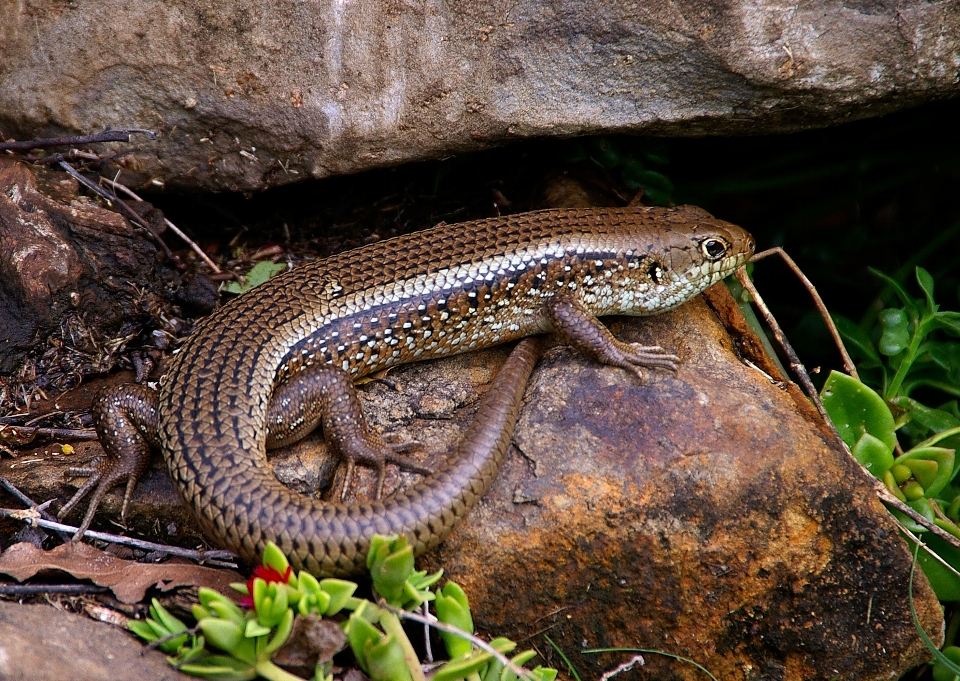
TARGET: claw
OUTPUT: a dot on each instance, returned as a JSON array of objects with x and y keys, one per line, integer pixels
[{"x": 104, "y": 477}]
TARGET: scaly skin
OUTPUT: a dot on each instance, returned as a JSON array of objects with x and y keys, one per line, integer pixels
[{"x": 270, "y": 365}]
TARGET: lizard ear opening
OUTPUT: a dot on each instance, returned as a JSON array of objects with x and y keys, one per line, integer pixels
[
  {"x": 655, "y": 272},
  {"x": 714, "y": 248}
]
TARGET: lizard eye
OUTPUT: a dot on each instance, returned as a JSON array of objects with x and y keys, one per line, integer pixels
[{"x": 714, "y": 248}]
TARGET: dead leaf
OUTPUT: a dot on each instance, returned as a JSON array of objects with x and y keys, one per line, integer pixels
[{"x": 127, "y": 579}]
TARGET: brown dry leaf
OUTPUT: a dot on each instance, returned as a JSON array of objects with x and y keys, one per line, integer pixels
[{"x": 127, "y": 579}]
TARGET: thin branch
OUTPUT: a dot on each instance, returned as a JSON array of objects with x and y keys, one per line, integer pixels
[
  {"x": 119, "y": 135},
  {"x": 31, "y": 504},
  {"x": 173, "y": 228},
  {"x": 131, "y": 214},
  {"x": 32, "y": 432},
  {"x": 30, "y": 589},
  {"x": 848, "y": 364},
  {"x": 890, "y": 500},
  {"x": 799, "y": 371},
  {"x": 157, "y": 642},
  {"x": 51, "y": 159},
  {"x": 68, "y": 433},
  {"x": 215, "y": 557},
  {"x": 426, "y": 632},
  {"x": 933, "y": 554},
  {"x": 447, "y": 628}
]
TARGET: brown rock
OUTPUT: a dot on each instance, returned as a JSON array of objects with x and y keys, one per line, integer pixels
[
  {"x": 40, "y": 643},
  {"x": 250, "y": 95},
  {"x": 707, "y": 514}
]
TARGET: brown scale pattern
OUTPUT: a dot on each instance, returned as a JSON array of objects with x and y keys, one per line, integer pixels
[{"x": 441, "y": 291}]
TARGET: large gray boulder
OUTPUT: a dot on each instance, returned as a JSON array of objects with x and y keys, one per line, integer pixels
[{"x": 248, "y": 95}]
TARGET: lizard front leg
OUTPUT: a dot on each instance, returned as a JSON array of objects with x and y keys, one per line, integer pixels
[{"x": 578, "y": 327}]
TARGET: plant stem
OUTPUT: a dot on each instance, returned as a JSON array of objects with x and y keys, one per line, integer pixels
[
  {"x": 391, "y": 625},
  {"x": 910, "y": 354}
]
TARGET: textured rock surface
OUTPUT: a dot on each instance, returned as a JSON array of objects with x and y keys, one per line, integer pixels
[
  {"x": 252, "y": 94},
  {"x": 40, "y": 643},
  {"x": 704, "y": 514}
]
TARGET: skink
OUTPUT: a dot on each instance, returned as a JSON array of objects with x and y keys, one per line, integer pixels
[{"x": 276, "y": 362}]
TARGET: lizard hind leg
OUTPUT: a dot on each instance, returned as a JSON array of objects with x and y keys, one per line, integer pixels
[
  {"x": 125, "y": 417},
  {"x": 326, "y": 396}
]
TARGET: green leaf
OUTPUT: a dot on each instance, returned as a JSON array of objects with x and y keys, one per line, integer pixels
[
  {"x": 895, "y": 336},
  {"x": 635, "y": 177},
  {"x": 940, "y": 670},
  {"x": 272, "y": 555},
  {"x": 359, "y": 632},
  {"x": 162, "y": 615},
  {"x": 657, "y": 197},
  {"x": 932, "y": 467},
  {"x": 224, "y": 634},
  {"x": 454, "y": 609},
  {"x": 603, "y": 152},
  {"x": 856, "y": 338},
  {"x": 283, "y": 633},
  {"x": 221, "y": 668},
  {"x": 940, "y": 657},
  {"x": 463, "y": 666},
  {"x": 262, "y": 271},
  {"x": 421, "y": 580},
  {"x": 144, "y": 631},
  {"x": 855, "y": 409},
  {"x": 873, "y": 454},
  {"x": 909, "y": 304},
  {"x": 947, "y": 357},
  {"x": 946, "y": 585},
  {"x": 656, "y": 151},
  {"x": 312, "y": 597},
  {"x": 220, "y": 605},
  {"x": 385, "y": 660},
  {"x": 255, "y": 629},
  {"x": 390, "y": 567},
  {"x": 519, "y": 659},
  {"x": 934, "y": 419},
  {"x": 544, "y": 673},
  {"x": 926, "y": 283},
  {"x": 340, "y": 592},
  {"x": 949, "y": 321}
]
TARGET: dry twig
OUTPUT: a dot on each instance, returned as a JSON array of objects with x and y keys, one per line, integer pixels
[
  {"x": 172, "y": 227},
  {"x": 132, "y": 215},
  {"x": 31, "y": 589},
  {"x": 441, "y": 626},
  {"x": 848, "y": 364},
  {"x": 215, "y": 557},
  {"x": 798, "y": 369},
  {"x": 109, "y": 135}
]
